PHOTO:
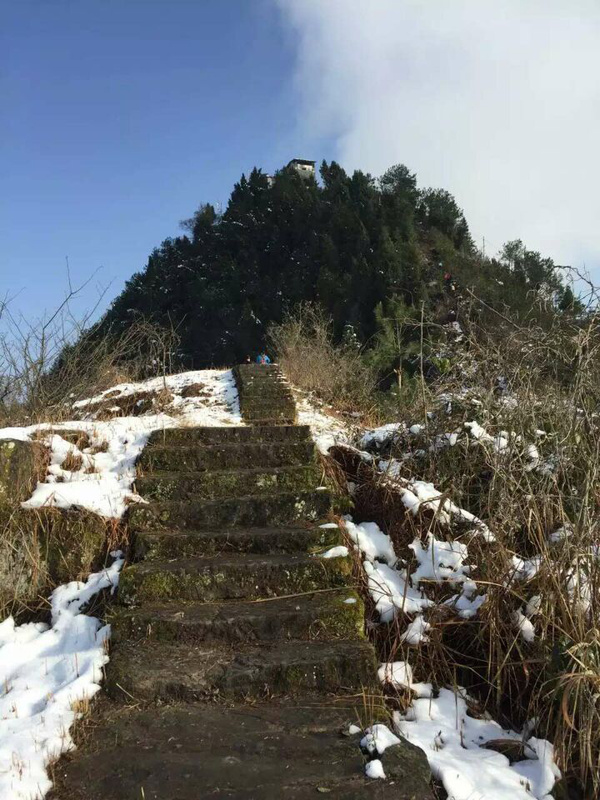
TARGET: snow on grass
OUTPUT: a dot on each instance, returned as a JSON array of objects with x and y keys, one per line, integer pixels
[
  {"x": 454, "y": 742},
  {"x": 340, "y": 551},
  {"x": 372, "y": 541},
  {"x": 439, "y": 724},
  {"x": 217, "y": 389},
  {"x": 45, "y": 671},
  {"x": 384, "y": 435},
  {"x": 102, "y": 483},
  {"x": 374, "y": 769},
  {"x": 377, "y": 739},
  {"x": 399, "y": 674},
  {"x": 392, "y": 592},
  {"x": 327, "y": 430}
]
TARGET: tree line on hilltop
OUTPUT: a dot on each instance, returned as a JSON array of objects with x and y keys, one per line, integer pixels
[{"x": 366, "y": 250}]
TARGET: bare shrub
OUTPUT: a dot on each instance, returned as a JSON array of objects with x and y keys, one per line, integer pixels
[
  {"x": 47, "y": 366},
  {"x": 536, "y": 392},
  {"x": 337, "y": 374}
]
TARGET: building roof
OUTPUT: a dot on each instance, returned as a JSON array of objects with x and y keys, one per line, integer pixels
[{"x": 302, "y": 161}]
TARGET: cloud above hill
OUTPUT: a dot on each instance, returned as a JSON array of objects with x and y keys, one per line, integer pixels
[{"x": 497, "y": 102}]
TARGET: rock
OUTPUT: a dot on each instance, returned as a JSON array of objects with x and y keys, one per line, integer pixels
[
  {"x": 406, "y": 764},
  {"x": 42, "y": 548},
  {"x": 20, "y": 464},
  {"x": 23, "y": 570},
  {"x": 73, "y": 542}
]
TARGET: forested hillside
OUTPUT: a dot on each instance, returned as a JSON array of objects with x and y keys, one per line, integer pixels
[{"x": 367, "y": 250}]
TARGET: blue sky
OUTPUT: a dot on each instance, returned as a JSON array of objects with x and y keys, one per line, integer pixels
[{"x": 119, "y": 117}]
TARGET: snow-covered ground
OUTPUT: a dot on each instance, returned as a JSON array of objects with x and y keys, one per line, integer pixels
[
  {"x": 45, "y": 670},
  {"x": 437, "y": 721},
  {"x": 106, "y": 468},
  {"x": 46, "y": 673},
  {"x": 439, "y": 724},
  {"x": 327, "y": 430}
]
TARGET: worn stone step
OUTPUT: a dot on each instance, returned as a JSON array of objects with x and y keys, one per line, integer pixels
[
  {"x": 260, "y": 421},
  {"x": 253, "y": 511},
  {"x": 230, "y": 434},
  {"x": 264, "y": 401},
  {"x": 267, "y": 391},
  {"x": 171, "y": 671},
  {"x": 248, "y": 374},
  {"x": 258, "y": 369},
  {"x": 234, "y": 576},
  {"x": 236, "y": 455},
  {"x": 264, "y": 751},
  {"x": 170, "y": 544},
  {"x": 337, "y": 614},
  {"x": 217, "y": 484},
  {"x": 286, "y": 416},
  {"x": 267, "y": 397}
]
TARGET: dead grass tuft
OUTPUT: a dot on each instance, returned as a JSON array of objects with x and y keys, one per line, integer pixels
[{"x": 525, "y": 490}]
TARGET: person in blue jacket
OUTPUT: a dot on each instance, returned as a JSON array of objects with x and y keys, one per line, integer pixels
[{"x": 263, "y": 358}]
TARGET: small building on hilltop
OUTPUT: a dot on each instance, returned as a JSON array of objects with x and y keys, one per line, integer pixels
[{"x": 304, "y": 168}]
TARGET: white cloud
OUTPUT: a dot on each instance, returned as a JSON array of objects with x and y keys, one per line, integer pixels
[{"x": 497, "y": 102}]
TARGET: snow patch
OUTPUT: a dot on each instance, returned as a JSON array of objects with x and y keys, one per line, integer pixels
[{"x": 45, "y": 670}]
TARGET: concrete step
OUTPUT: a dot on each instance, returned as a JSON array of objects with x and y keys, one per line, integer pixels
[
  {"x": 230, "y": 434},
  {"x": 229, "y": 577},
  {"x": 267, "y": 390},
  {"x": 218, "y": 484},
  {"x": 265, "y": 400},
  {"x": 264, "y": 751},
  {"x": 337, "y": 614},
  {"x": 248, "y": 371},
  {"x": 236, "y": 455},
  {"x": 264, "y": 395},
  {"x": 253, "y": 511},
  {"x": 164, "y": 671},
  {"x": 268, "y": 416},
  {"x": 183, "y": 544}
]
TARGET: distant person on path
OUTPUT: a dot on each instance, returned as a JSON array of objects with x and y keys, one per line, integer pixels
[{"x": 263, "y": 358}]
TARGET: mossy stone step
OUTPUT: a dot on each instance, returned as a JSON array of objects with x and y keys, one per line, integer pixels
[
  {"x": 338, "y": 614},
  {"x": 230, "y": 434},
  {"x": 264, "y": 394},
  {"x": 269, "y": 391},
  {"x": 257, "y": 369},
  {"x": 163, "y": 671},
  {"x": 264, "y": 402},
  {"x": 259, "y": 421},
  {"x": 260, "y": 411},
  {"x": 269, "y": 421},
  {"x": 234, "y": 455},
  {"x": 230, "y": 577},
  {"x": 226, "y": 483},
  {"x": 171, "y": 544},
  {"x": 259, "y": 751},
  {"x": 252, "y": 511}
]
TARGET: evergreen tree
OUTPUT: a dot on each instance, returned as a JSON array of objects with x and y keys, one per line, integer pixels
[{"x": 366, "y": 250}]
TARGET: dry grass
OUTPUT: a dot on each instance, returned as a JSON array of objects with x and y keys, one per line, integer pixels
[
  {"x": 45, "y": 370},
  {"x": 335, "y": 374},
  {"x": 552, "y": 380}
]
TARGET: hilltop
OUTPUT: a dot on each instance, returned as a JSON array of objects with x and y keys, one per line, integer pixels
[{"x": 364, "y": 249}]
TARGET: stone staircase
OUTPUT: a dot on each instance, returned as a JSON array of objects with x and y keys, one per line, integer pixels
[{"x": 238, "y": 652}]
